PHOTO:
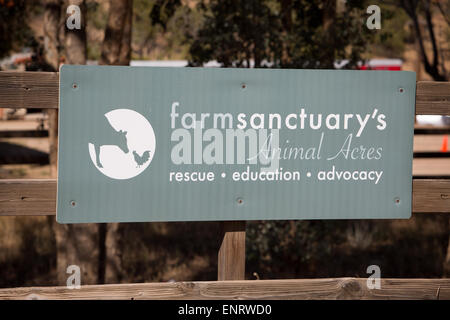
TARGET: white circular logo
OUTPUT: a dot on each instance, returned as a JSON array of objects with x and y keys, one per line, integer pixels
[{"x": 124, "y": 144}]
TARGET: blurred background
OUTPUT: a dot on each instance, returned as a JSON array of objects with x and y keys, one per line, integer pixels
[{"x": 413, "y": 35}]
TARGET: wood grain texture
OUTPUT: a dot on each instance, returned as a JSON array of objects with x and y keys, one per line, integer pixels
[
  {"x": 430, "y": 143},
  {"x": 431, "y": 196},
  {"x": 433, "y": 98},
  {"x": 22, "y": 197},
  {"x": 428, "y": 167},
  {"x": 29, "y": 89},
  {"x": 53, "y": 141},
  {"x": 333, "y": 288},
  {"x": 231, "y": 257},
  {"x": 40, "y": 90}
]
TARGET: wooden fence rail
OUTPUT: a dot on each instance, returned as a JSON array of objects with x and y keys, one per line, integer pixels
[
  {"x": 433, "y": 98},
  {"x": 333, "y": 288},
  {"x": 23, "y": 197},
  {"x": 29, "y": 90},
  {"x": 40, "y": 90}
]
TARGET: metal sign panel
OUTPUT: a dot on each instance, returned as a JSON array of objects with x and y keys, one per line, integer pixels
[{"x": 192, "y": 144}]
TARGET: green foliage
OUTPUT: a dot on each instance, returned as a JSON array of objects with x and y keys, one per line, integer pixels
[
  {"x": 96, "y": 20},
  {"x": 275, "y": 33},
  {"x": 390, "y": 40},
  {"x": 97, "y": 16},
  {"x": 167, "y": 36},
  {"x": 234, "y": 32},
  {"x": 273, "y": 247},
  {"x": 162, "y": 11},
  {"x": 333, "y": 248}
]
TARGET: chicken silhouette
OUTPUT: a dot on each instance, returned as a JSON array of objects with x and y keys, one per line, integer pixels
[{"x": 140, "y": 160}]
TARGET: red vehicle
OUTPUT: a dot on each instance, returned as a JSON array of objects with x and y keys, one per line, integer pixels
[{"x": 382, "y": 64}]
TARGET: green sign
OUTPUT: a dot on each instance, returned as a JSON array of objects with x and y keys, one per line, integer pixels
[{"x": 192, "y": 144}]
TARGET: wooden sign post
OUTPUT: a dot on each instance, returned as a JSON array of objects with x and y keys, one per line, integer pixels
[{"x": 231, "y": 257}]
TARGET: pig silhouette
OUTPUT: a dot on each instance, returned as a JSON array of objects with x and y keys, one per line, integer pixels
[{"x": 106, "y": 135}]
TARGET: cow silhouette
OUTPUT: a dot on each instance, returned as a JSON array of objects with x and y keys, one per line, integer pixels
[{"x": 106, "y": 135}]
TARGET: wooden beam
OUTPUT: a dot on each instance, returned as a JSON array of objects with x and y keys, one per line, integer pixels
[
  {"x": 431, "y": 196},
  {"x": 333, "y": 288},
  {"x": 29, "y": 89},
  {"x": 23, "y": 134},
  {"x": 23, "y": 197},
  {"x": 431, "y": 167},
  {"x": 231, "y": 256},
  {"x": 430, "y": 143},
  {"x": 40, "y": 90},
  {"x": 53, "y": 141},
  {"x": 433, "y": 98}
]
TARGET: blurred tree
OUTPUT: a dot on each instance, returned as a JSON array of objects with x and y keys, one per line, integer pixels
[
  {"x": 235, "y": 32},
  {"x": 391, "y": 40},
  {"x": 280, "y": 33},
  {"x": 52, "y": 15},
  {"x": 116, "y": 48},
  {"x": 444, "y": 9},
  {"x": 418, "y": 11},
  {"x": 75, "y": 40},
  {"x": 162, "y": 28},
  {"x": 13, "y": 32},
  {"x": 162, "y": 11},
  {"x": 96, "y": 19},
  {"x": 142, "y": 33}
]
